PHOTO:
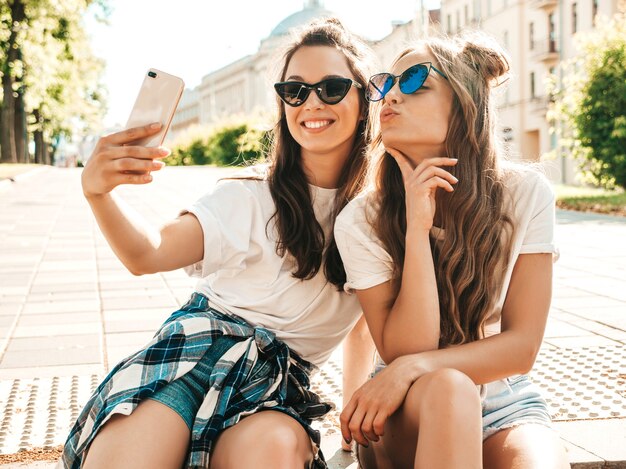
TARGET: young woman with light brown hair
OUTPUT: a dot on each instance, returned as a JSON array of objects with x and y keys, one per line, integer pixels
[{"x": 451, "y": 258}]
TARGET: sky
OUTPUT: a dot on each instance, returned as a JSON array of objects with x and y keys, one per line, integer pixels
[{"x": 191, "y": 38}]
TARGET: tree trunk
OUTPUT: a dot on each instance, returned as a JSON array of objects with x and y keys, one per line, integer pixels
[
  {"x": 7, "y": 111},
  {"x": 38, "y": 137},
  {"x": 21, "y": 135}
]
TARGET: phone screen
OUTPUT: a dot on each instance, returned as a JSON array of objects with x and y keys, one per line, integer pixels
[{"x": 157, "y": 100}]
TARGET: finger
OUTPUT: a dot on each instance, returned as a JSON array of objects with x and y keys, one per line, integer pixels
[
  {"x": 438, "y": 161},
  {"x": 133, "y": 134},
  {"x": 131, "y": 178},
  {"x": 136, "y": 166},
  {"x": 433, "y": 171},
  {"x": 356, "y": 425},
  {"x": 405, "y": 165},
  {"x": 344, "y": 420},
  {"x": 367, "y": 427},
  {"x": 436, "y": 181},
  {"x": 136, "y": 152},
  {"x": 378, "y": 425}
]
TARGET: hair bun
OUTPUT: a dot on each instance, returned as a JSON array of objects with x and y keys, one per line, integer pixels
[{"x": 487, "y": 57}]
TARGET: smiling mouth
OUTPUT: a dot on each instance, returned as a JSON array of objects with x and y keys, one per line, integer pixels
[{"x": 319, "y": 124}]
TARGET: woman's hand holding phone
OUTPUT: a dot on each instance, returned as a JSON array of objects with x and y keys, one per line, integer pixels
[{"x": 116, "y": 161}]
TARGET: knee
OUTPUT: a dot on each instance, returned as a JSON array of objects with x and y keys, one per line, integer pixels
[
  {"x": 449, "y": 388},
  {"x": 279, "y": 439}
]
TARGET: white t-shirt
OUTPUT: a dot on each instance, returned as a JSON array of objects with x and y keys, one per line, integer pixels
[
  {"x": 531, "y": 200},
  {"x": 241, "y": 273}
]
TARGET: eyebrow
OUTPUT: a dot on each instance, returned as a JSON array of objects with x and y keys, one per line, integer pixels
[{"x": 299, "y": 78}]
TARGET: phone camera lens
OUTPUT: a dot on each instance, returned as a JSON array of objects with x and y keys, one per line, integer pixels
[{"x": 152, "y": 74}]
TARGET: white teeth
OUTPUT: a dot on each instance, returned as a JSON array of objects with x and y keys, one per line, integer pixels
[{"x": 315, "y": 124}]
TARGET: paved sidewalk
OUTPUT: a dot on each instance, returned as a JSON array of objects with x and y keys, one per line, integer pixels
[{"x": 69, "y": 311}]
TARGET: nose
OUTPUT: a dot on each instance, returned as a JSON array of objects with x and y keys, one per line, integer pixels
[
  {"x": 313, "y": 101},
  {"x": 394, "y": 95}
]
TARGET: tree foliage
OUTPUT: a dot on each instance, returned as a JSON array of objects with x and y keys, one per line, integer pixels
[
  {"x": 590, "y": 104},
  {"x": 51, "y": 79}
]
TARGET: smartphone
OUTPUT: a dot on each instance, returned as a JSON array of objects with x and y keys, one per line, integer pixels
[{"x": 158, "y": 97}]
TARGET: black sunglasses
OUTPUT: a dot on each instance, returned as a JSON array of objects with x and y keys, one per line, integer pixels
[
  {"x": 330, "y": 91},
  {"x": 410, "y": 81}
]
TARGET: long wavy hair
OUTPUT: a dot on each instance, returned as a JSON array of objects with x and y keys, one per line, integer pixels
[
  {"x": 471, "y": 259},
  {"x": 299, "y": 233}
]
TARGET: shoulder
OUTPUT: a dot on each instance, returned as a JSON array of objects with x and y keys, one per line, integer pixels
[
  {"x": 527, "y": 182},
  {"x": 360, "y": 211}
]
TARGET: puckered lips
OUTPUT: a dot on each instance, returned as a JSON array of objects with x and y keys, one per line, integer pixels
[
  {"x": 316, "y": 125},
  {"x": 387, "y": 113}
]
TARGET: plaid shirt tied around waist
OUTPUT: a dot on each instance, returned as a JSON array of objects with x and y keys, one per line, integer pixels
[{"x": 233, "y": 390}]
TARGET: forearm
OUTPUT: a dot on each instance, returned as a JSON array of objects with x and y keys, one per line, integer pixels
[
  {"x": 412, "y": 325},
  {"x": 358, "y": 353},
  {"x": 133, "y": 241},
  {"x": 486, "y": 360}
]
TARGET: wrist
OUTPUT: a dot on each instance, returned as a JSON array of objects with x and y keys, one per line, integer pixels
[{"x": 412, "y": 366}]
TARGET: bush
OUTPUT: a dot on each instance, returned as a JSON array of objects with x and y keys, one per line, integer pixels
[{"x": 232, "y": 143}]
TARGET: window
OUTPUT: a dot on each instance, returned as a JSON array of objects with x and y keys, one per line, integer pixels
[
  {"x": 551, "y": 33},
  {"x": 458, "y": 20},
  {"x": 466, "y": 14},
  {"x": 574, "y": 18},
  {"x": 505, "y": 39},
  {"x": 531, "y": 35},
  {"x": 594, "y": 11},
  {"x": 449, "y": 18},
  {"x": 532, "y": 85},
  {"x": 488, "y": 7}
]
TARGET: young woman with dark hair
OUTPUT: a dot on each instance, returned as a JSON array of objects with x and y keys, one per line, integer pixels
[{"x": 226, "y": 380}]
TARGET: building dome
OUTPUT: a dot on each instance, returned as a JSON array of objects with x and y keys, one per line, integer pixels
[{"x": 312, "y": 10}]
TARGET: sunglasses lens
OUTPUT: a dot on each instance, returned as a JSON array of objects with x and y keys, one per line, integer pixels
[
  {"x": 293, "y": 94},
  {"x": 413, "y": 78},
  {"x": 378, "y": 86},
  {"x": 334, "y": 90}
]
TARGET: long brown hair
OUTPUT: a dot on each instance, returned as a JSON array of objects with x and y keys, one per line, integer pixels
[
  {"x": 299, "y": 232},
  {"x": 471, "y": 259}
]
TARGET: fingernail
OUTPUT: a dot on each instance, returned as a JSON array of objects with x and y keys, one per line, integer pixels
[
  {"x": 155, "y": 125},
  {"x": 147, "y": 177},
  {"x": 347, "y": 441},
  {"x": 164, "y": 151}
]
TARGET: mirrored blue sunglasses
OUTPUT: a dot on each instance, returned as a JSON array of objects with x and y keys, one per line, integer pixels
[{"x": 409, "y": 81}]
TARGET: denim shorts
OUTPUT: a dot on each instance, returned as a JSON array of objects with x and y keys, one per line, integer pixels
[{"x": 511, "y": 402}]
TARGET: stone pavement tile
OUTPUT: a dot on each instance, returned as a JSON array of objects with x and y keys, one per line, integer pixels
[
  {"x": 56, "y": 342},
  {"x": 117, "y": 353},
  {"x": 581, "y": 341},
  {"x": 51, "y": 357},
  {"x": 588, "y": 302},
  {"x": 67, "y": 266},
  {"x": 79, "y": 285},
  {"x": 52, "y": 371},
  {"x": 9, "y": 309},
  {"x": 139, "y": 302},
  {"x": 557, "y": 328},
  {"x": 603, "y": 438},
  {"x": 133, "y": 293},
  {"x": 58, "y": 329},
  {"x": 82, "y": 295},
  {"x": 65, "y": 277},
  {"x": 135, "y": 339},
  {"x": 335, "y": 456},
  {"x": 55, "y": 307},
  {"x": 6, "y": 321},
  {"x": 58, "y": 318},
  {"x": 133, "y": 320},
  {"x": 15, "y": 290},
  {"x": 132, "y": 284}
]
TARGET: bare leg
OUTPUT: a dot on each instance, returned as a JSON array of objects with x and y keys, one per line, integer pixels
[
  {"x": 152, "y": 436},
  {"x": 358, "y": 355},
  {"x": 443, "y": 409},
  {"x": 525, "y": 447},
  {"x": 266, "y": 439}
]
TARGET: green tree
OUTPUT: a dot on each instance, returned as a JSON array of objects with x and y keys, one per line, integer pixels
[
  {"x": 590, "y": 104},
  {"x": 51, "y": 80}
]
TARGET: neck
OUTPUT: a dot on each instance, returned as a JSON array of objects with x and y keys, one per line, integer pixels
[{"x": 324, "y": 169}]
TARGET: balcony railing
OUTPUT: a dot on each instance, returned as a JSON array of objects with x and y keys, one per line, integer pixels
[
  {"x": 539, "y": 104},
  {"x": 544, "y": 4},
  {"x": 545, "y": 50}
]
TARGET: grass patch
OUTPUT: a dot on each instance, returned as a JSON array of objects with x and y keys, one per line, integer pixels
[
  {"x": 10, "y": 170},
  {"x": 589, "y": 199}
]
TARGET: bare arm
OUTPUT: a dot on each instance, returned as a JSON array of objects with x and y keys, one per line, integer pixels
[
  {"x": 407, "y": 321},
  {"x": 514, "y": 350},
  {"x": 140, "y": 247},
  {"x": 511, "y": 352}
]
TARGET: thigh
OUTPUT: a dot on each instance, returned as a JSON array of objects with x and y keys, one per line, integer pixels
[
  {"x": 152, "y": 436},
  {"x": 265, "y": 439},
  {"x": 526, "y": 446}
]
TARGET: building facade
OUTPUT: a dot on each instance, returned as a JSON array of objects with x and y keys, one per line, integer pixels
[{"x": 539, "y": 35}]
